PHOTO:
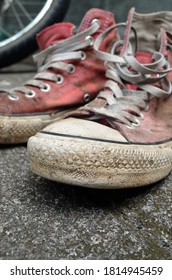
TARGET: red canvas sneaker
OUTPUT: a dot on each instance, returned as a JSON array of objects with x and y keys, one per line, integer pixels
[
  {"x": 69, "y": 75},
  {"x": 123, "y": 138}
]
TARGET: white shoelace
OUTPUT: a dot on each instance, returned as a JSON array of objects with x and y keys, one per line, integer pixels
[
  {"x": 121, "y": 104},
  {"x": 54, "y": 57}
]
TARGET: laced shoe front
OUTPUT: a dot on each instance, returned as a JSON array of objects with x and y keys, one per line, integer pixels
[
  {"x": 69, "y": 75},
  {"x": 123, "y": 138}
]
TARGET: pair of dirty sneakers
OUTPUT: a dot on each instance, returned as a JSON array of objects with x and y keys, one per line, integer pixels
[{"x": 99, "y": 111}]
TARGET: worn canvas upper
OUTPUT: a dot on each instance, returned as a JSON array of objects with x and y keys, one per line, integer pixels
[
  {"x": 157, "y": 123},
  {"x": 55, "y": 87},
  {"x": 140, "y": 111}
]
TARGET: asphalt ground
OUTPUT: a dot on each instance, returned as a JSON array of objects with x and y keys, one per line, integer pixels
[{"x": 41, "y": 219}]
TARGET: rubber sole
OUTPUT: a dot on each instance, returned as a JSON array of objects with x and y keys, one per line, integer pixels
[
  {"x": 18, "y": 129},
  {"x": 98, "y": 164}
]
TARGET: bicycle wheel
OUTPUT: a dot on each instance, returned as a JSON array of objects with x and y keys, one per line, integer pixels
[{"x": 26, "y": 19}]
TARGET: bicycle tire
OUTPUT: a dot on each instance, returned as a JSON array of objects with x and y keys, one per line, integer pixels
[{"x": 26, "y": 44}]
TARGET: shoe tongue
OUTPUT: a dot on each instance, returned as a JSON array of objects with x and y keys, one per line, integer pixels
[
  {"x": 61, "y": 31},
  {"x": 149, "y": 28},
  {"x": 54, "y": 33}
]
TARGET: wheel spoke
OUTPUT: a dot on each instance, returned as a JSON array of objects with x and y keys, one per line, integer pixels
[
  {"x": 5, "y": 32},
  {"x": 21, "y": 20},
  {"x": 21, "y": 25},
  {"x": 24, "y": 11}
]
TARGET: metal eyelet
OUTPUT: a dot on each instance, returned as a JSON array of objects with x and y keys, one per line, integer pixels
[
  {"x": 83, "y": 55},
  {"x": 60, "y": 79},
  {"x": 130, "y": 127},
  {"x": 71, "y": 69},
  {"x": 87, "y": 97},
  {"x": 96, "y": 20},
  {"x": 141, "y": 116},
  {"x": 147, "y": 76},
  {"x": 136, "y": 123},
  {"x": 133, "y": 125},
  {"x": 146, "y": 108},
  {"x": 89, "y": 38},
  {"x": 46, "y": 88},
  {"x": 13, "y": 97},
  {"x": 30, "y": 94}
]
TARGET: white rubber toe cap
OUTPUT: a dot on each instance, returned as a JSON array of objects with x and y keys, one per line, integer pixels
[{"x": 84, "y": 128}]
